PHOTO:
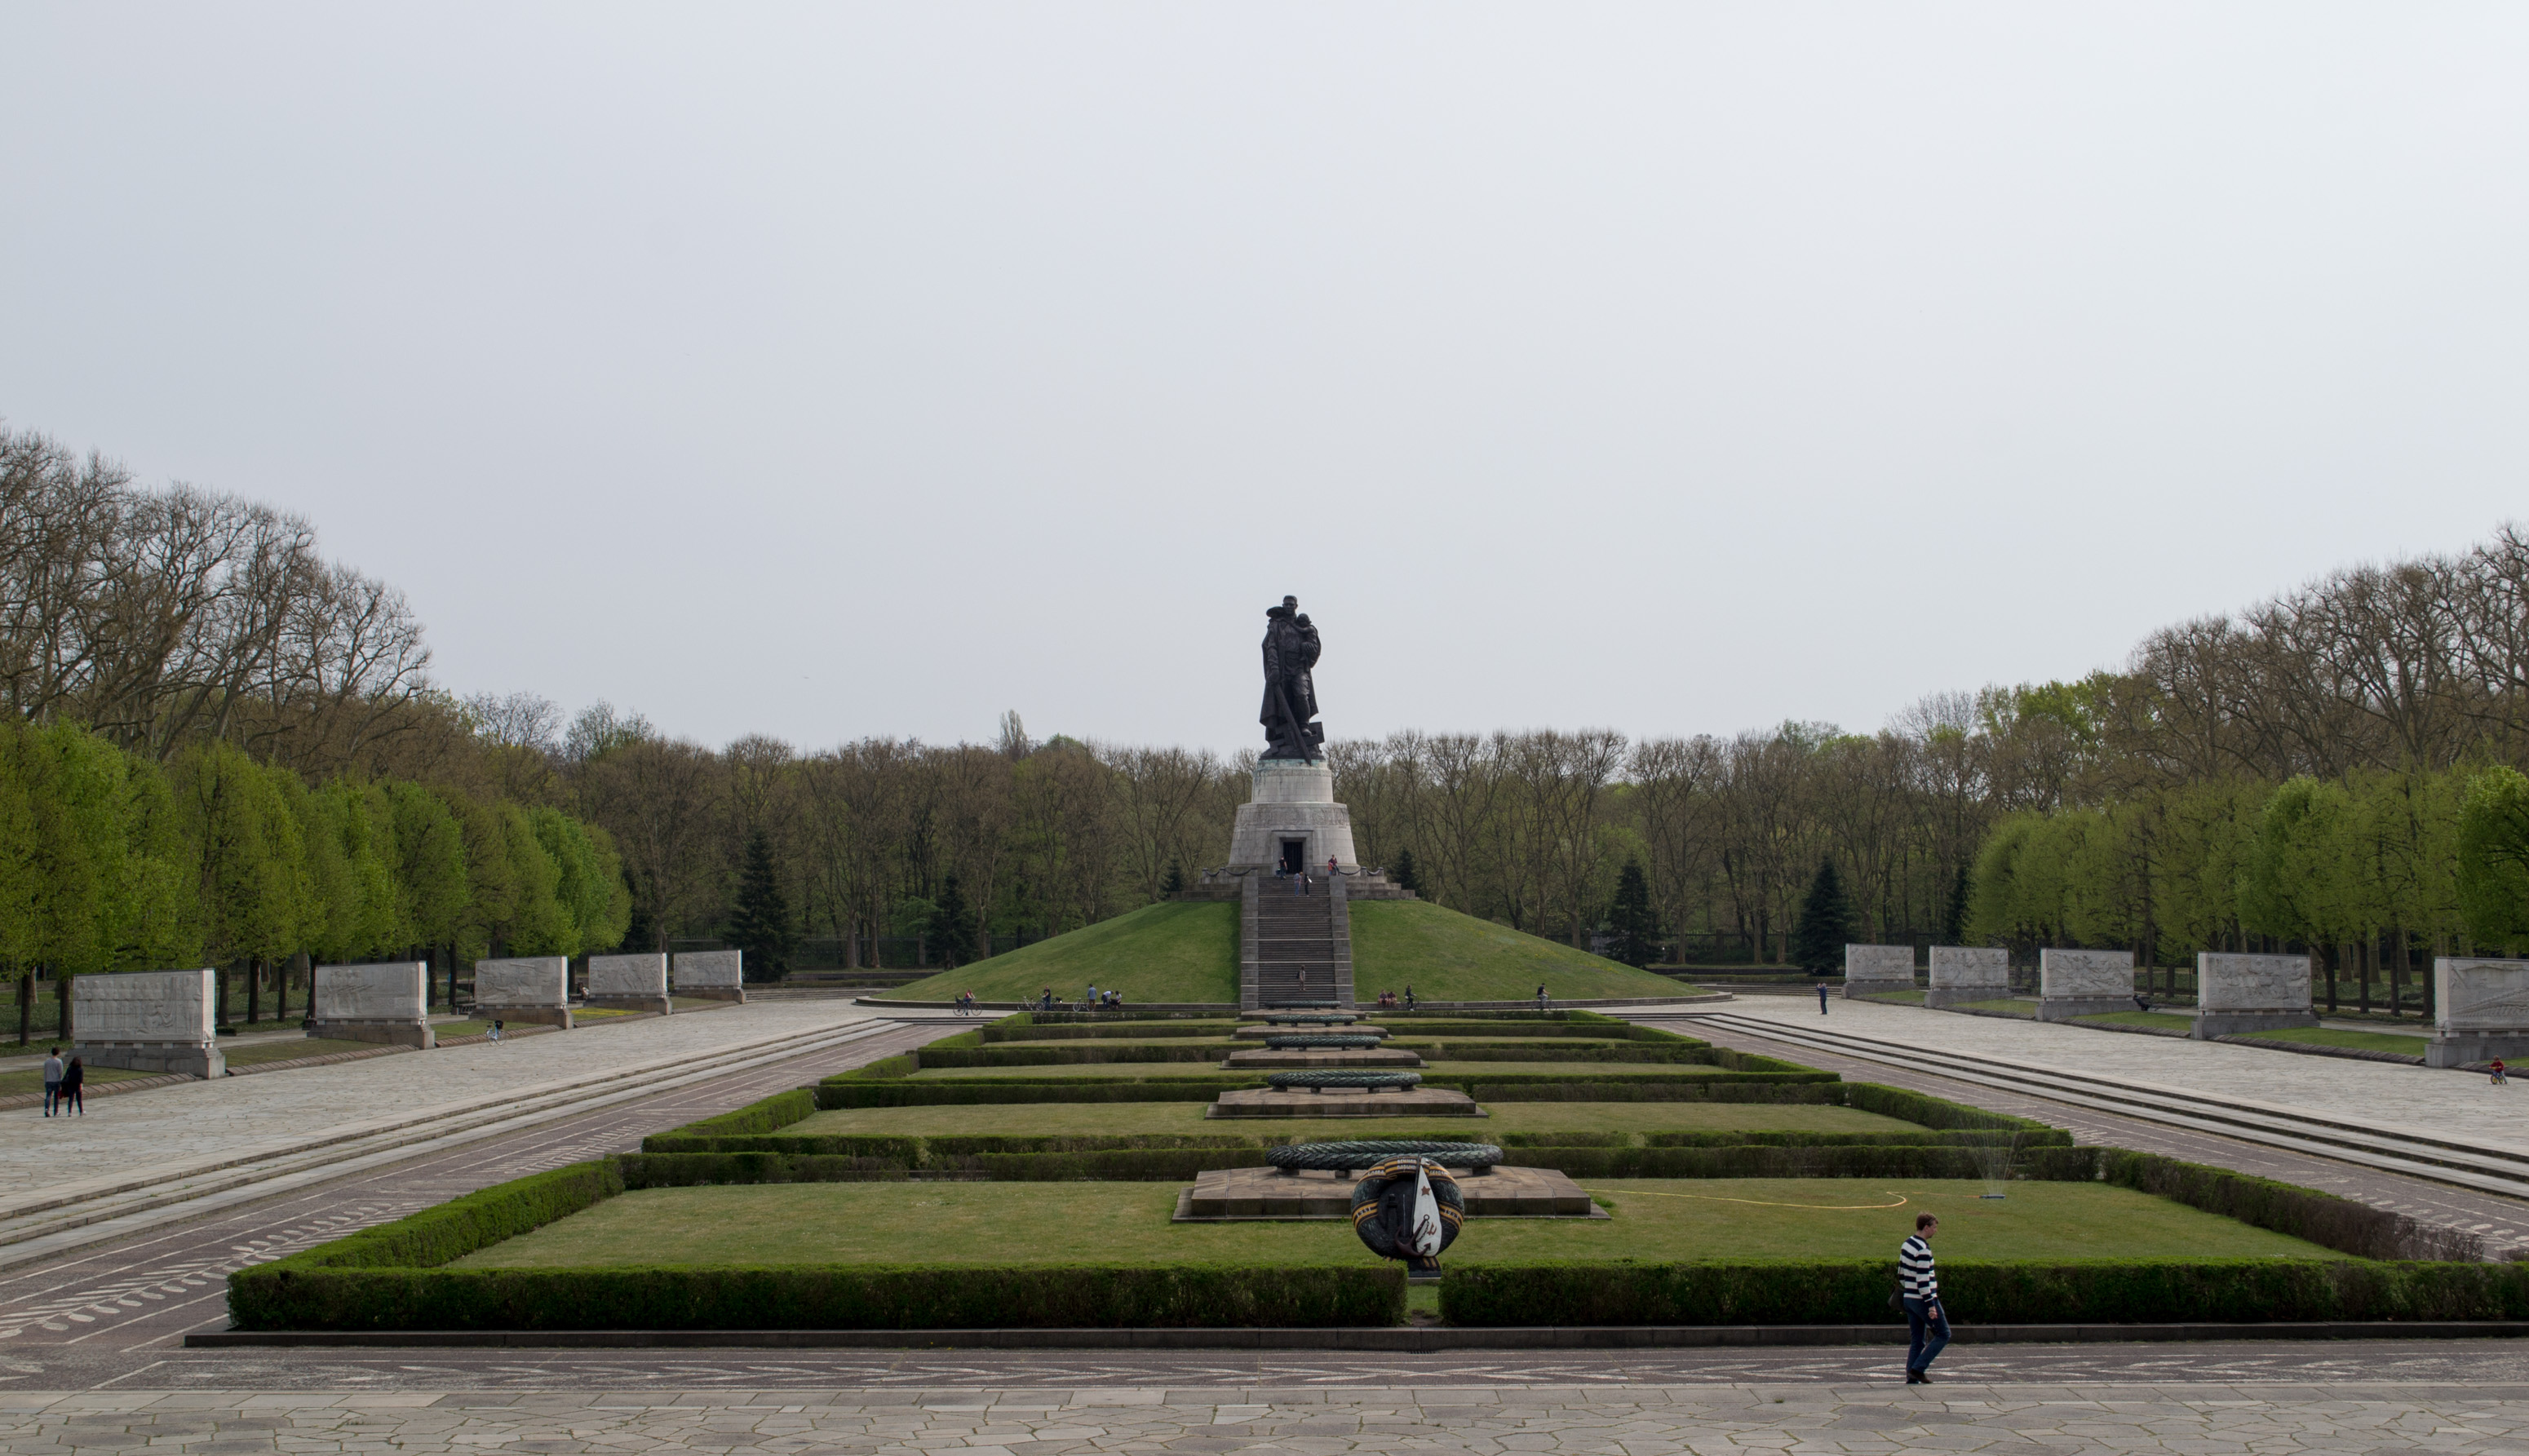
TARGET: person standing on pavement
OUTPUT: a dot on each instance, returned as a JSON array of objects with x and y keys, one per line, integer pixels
[
  {"x": 74, "y": 1077},
  {"x": 1821, "y": 998},
  {"x": 52, "y": 1079},
  {"x": 1920, "y": 1289}
]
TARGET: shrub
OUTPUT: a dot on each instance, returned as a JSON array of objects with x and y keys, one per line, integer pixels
[
  {"x": 460, "y": 1226},
  {"x": 832, "y": 1096},
  {"x": 1020, "y": 1056},
  {"x": 1142, "y": 1032},
  {"x": 778, "y": 1110},
  {"x": 1644, "y": 1090},
  {"x": 693, "y": 1170},
  {"x": 814, "y": 1297},
  {"x": 1930, "y": 1111},
  {"x": 2050, "y": 1138},
  {"x": 1753, "y": 1161},
  {"x": 2106, "y": 1291},
  {"x": 2323, "y": 1218}
]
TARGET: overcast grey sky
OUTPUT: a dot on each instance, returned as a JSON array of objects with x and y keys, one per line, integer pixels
[{"x": 829, "y": 371}]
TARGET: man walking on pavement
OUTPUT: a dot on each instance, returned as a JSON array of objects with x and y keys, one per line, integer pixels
[
  {"x": 1920, "y": 1289},
  {"x": 52, "y": 1080}
]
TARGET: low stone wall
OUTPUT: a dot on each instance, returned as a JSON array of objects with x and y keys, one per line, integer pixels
[
  {"x": 147, "y": 1021},
  {"x": 1968, "y": 973},
  {"x": 382, "y": 1001},
  {"x": 2084, "y": 982},
  {"x": 2239, "y": 993},
  {"x": 2480, "y": 1011},
  {"x": 629, "y": 983},
  {"x": 1876, "y": 970}
]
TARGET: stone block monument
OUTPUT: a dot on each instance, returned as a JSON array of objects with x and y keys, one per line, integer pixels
[
  {"x": 384, "y": 1002},
  {"x": 711, "y": 975},
  {"x": 147, "y": 1021},
  {"x": 1874, "y": 970},
  {"x": 2236, "y": 993},
  {"x": 628, "y": 983},
  {"x": 2084, "y": 982},
  {"x": 2480, "y": 1011},
  {"x": 532, "y": 991},
  {"x": 1968, "y": 973}
]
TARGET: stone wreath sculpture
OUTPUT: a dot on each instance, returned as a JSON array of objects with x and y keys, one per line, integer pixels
[
  {"x": 1343, "y": 1158},
  {"x": 1410, "y": 1209},
  {"x": 1305, "y": 1043},
  {"x": 1321, "y": 1078}
]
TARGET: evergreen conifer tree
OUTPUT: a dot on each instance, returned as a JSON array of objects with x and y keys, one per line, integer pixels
[
  {"x": 1826, "y": 922},
  {"x": 1954, "y": 920},
  {"x": 1175, "y": 880},
  {"x": 953, "y": 926},
  {"x": 1633, "y": 928},
  {"x": 761, "y": 923},
  {"x": 1403, "y": 873}
]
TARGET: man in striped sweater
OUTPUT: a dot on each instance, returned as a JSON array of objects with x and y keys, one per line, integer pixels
[{"x": 1921, "y": 1289}]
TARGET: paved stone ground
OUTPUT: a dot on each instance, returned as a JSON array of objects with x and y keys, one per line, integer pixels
[
  {"x": 144, "y": 1293},
  {"x": 2438, "y": 1101},
  {"x": 227, "y": 1114},
  {"x": 2502, "y": 1222},
  {"x": 1633, "y": 1421}
]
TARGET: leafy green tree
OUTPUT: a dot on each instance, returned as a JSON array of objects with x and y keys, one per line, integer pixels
[
  {"x": 2492, "y": 869},
  {"x": 1826, "y": 922},
  {"x": 249, "y": 857},
  {"x": 1634, "y": 930},
  {"x": 590, "y": 889},
  {"x": 349, "y": 832},
  {"x": 2296, "y": 886},
  {"x": 760, "y": 925}
]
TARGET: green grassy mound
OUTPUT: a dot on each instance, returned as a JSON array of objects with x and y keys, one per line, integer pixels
[
  {"x": 2170, "y": 1021},
  {"x": 1017, "y": 1223},
  {"x": 1448, "y": 956},
  {"x": 2360, "y": 1040},
  {"x": 1177, "y": 952}
]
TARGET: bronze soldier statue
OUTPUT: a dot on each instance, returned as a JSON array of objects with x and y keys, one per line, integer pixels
[{"x": 1291, "y": 728}]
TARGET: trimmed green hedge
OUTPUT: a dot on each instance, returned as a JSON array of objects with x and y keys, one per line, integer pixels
[
  {"x": 778, "y": 1110},
  {"x": 1646, "y": 1090},
  {"x": 2107, "y": 1291},
  {"x": 2323, "y": 1218},
  {"x": 1602, "y": 1031},
  {"x": 2050, "y": 1138},
  {"x": 834, "y": 1097},
  {"x": 461, "y": 1225},
  {"x": 701, "y": 1170},
  {"x": 1930, "y": 1111},
  {"x": 1004, "y": 1032},
  {"x": 1026, "y": 1055},
  {"x": 1916, "y": 1160},
  {"x": 814, "y": 1297}
]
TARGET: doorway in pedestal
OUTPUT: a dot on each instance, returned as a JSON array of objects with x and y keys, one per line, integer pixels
[{"x": 1295, "y": 856}]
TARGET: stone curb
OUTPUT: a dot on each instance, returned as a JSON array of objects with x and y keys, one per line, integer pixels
[{"x": 1406, "y": 1339}]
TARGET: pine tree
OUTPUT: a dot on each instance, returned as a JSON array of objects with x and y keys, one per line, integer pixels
[
  {"x": 1826, "y": 924},
  {"x": 1403, "y": 873},
  {"x": 1634, "y": 930},
  {"x": 953, "y": 926},
  {"x": 761, "y": 924},
  {"x": 1175, "y": 881}
]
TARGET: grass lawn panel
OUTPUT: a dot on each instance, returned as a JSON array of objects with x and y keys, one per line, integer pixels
[
  {"x": 2006, "y": 1006},
  {"x": 1654, "y": 1219},
  {"x": 1895, "y": 997},
  {"x": 243, "y": 1056},
  {"x": 14, "y": 1084},
  {"x": 1449, "y": 956},
  {"x": 1029, "y": 1119},
  {"x": 2363, "y": 1041},
  {"x": 2163, "y": 1020},
  {"x": 1177, "y": 952}
]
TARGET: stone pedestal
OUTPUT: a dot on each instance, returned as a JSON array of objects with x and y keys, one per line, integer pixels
[
  {"x": 2480, "y": 1011},
  {"x": 1293, "y": 804},
  {"x": 2084, "y": 982},
  {"x": 147, "y": 1021},
  {"x": 711, "y": 975},
  {"x": 382, "y": 1003},
  {"x": 1968, "y": 973},
  {"x": 2235, "y": 994},
  {"x": 531, "y": 991},
  {"x": 1875, "y": 970},
  {"x": 628, "y": 983}
]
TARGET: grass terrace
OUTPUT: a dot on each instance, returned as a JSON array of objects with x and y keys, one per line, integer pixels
[
  {"x": 1176, "y": 952},
  {"x": 1024, "y": 1174}
]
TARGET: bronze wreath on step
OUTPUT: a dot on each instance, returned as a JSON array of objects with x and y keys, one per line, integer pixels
[
  {"x": 1318, "y": 1079},
  {"x": 1361, "y": 1153}
]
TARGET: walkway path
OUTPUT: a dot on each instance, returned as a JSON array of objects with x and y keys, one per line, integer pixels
[
  {"x": 230, "y": 1116},
  {"x": 1638, "y": 1420}
]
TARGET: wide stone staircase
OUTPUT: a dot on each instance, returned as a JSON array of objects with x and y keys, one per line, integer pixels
[{"x": 1294, "y": 949}]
